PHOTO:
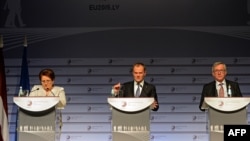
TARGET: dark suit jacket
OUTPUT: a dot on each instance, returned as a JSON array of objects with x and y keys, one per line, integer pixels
[
  {"x": 148, "y": 90},
  {"x": 209, "y": 90}
]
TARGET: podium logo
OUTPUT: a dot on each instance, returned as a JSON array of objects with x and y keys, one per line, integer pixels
[
  {"x": 221, "y": 103},
  {"x": 68, "y": 137},
  {"x": 109, "y": 118},
  {"x": 152, "y": 61},
  {"x": 110, "y": 61},
  {"x": 109, "y": 137},
  {"x": 193, "y": 80},
  {"x": 29, "y": 103},
  {"x": 172, "y": 70},
  {"x": 151, "y": 79},
  {"x": 89, "y": 128},
  {"x": 194, "y": 118},
  {"x": 173, "y": 128},
  {"x": 236, "y": 79},
  {"x": 173, "y": 108},
  {"x": 68, "y": 118},
  {"x": 7, "y": 71},
  {"x": 172, "y": 89},
  {"x": 69, "y": 62},
  {"x": 89, "y": 71},
  {"x": 89, "y": 89},
  {"x": 68, "y": 80},
  {"x": 236, "y": 60},
  {"x": 68, "y": 99},
  {"x": 123, "y": 103},
  {"x": 89, "y": 108},
  {"x": 194, "y": 98},
  {"x": 152, "y": 137},
  {"x": 110, "y": 80},
  {"x": 193, "y": 61},
  {"x": 152, "y": 118},
  {"x": 195, "y": 137}
]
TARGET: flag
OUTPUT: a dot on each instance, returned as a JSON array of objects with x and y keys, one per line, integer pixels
[
  {"x": 4, "y": 127},
  {"x": 24, "y": 77},
  {"x": 24, "y": 80}
]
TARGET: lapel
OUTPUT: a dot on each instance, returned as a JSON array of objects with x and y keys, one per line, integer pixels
[
  {"x": 131, "y": 89},
  {"x": 213, "y": 91},
  {"x": 144, "y": 90},
  {"x": 227, "y": 84}
]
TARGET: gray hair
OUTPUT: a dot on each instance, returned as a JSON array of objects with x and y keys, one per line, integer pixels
[{"x": 219, "y": 63}]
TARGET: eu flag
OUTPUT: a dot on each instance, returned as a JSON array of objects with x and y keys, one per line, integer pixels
[
  {"x": 24, "y": 80},
  {"x": 24, "y": 77}
]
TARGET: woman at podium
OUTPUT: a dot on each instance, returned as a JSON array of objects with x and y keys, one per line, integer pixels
[{"x": 47, "y": 87}]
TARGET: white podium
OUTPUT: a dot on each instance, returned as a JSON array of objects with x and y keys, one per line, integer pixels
[
  {"x": 225, "y": 111},
  {"x": 36, "y": 118},
  {"x": 130, "y": 118}
]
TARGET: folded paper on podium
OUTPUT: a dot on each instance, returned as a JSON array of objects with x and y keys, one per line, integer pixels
[
  {"x": 225, "y": 111},
  {"x": 36, "y": 118},
  {"x": 130, "y": 118}
]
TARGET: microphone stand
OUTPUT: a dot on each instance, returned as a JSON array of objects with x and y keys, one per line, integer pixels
[{"x": 32, "y": 91}]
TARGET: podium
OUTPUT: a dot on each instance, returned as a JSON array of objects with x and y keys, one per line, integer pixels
[
  {"x": 225, "y": 111},
  {"x": 130, "y": 118},
  {"x": 36, "y": 118}
]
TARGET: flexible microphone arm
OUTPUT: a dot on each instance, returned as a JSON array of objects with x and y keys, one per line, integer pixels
[
  {"x": 52, "y": 93},
  {"x": 229, "y": 92},
  {"x": 33, "y": 91}
]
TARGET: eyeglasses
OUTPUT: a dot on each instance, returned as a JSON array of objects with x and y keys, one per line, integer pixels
[
  {"x": 217, "y": 71},
  {"x": 46, "y": 81}
]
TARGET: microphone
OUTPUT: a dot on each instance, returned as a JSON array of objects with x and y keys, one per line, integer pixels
[
  {"x": 51, "y": 92},
  {"x": 120, "y": 91},
  {"x": 33, "y": 91},
  {"x": 229, "y": 91}
]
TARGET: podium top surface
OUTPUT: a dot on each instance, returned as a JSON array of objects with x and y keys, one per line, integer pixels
[
  {"x": 130, "y": 104},
  {"x": 36, "y": 104},
  {"x": 226, "y": 104}
]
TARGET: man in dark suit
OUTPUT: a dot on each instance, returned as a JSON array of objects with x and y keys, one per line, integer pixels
[
  {"x": 138, "y": 87},
  {"x": 212, "y": 89}
]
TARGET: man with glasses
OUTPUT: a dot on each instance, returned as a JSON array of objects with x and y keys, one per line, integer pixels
[{"x": 220, "y": 87}]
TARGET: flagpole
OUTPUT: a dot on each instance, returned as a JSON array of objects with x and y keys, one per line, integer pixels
[
  {"x": 4, "y": 124},
  {"x": 25, "y": 41}
]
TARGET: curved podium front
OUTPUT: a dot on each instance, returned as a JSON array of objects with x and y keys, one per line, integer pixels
[
  {"x": 225, "y": 111},
  {"x": 36, "y": 118},
  {"x": 130, "y": 118}
]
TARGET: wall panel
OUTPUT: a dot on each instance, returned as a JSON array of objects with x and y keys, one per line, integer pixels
[{"x": 88, "y": 82}]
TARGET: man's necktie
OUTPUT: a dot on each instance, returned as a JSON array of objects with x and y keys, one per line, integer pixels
[
  {"x": 137, "y": 93},
  {"x": 221, "y": 91}
]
